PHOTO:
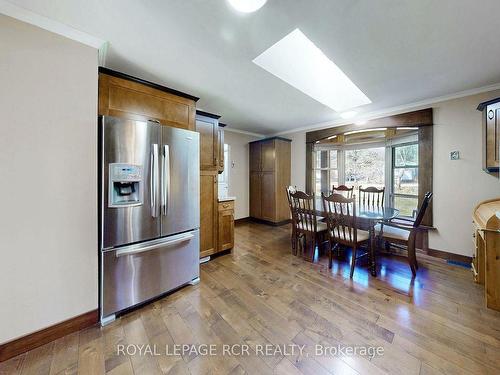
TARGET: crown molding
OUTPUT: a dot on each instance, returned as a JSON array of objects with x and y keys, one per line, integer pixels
[
  {"x": 393, "y": 110},
  {"x": 35, "y": 19},
  {"x": 233, "y": 130}
]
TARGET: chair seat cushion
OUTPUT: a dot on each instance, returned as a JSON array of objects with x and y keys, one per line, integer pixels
[
  {"x": 392, "y": 232},
  {"x": 321, "y": 226},
  {"x": 361, "y": 236}
]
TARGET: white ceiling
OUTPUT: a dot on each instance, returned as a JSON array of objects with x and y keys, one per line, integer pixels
[{"x": 395, "y": 51}]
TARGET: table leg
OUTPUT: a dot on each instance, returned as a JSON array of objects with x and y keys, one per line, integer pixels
[{"x": 373, "y": 264}]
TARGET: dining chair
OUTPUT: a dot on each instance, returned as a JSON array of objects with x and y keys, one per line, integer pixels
[
  {"x": 344, "y": 190},
  {"x": 309, "y": 229},
  {"x": 294, "y": 239},
  {"x": 342, "y": 229},
  {"x": 402, "y": 232},
  {"x": 371, "y": 196}
]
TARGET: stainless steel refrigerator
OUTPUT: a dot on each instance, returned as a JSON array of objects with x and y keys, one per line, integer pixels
[{"x": 149, "y": 211}]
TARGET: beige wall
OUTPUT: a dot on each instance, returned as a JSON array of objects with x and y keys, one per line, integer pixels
[
  {"x": 239, "y": 173},
  {"x": 458, "y": 185},
  {"x": 48, "y": 221}
]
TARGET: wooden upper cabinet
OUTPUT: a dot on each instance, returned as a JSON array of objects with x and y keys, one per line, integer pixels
[
  {"x": 255, "y": 157},
  {"x": 208, "y": 127},
  {"x": 121, "y": 95},
  {"x": 221, "y": 147},
  {"x": 268, "y": 156},
  {"x": 491, "y": 135}
]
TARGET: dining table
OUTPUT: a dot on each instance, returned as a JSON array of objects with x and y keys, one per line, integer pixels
[{"x": 369, "y": 214}]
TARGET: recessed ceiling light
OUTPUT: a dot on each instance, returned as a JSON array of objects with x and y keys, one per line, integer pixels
[
  {"x": 247, "y": 6},
  {"x": 348, "y": 114},
  {"x": 299, "y": 62}
]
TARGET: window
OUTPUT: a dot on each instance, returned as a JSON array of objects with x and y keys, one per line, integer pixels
[
  {"x": 405, "y": 178},
  {"x": 325, "y": 170},
  {"x": 365, "y": 167},
  {"x": 392, "y": 163}
]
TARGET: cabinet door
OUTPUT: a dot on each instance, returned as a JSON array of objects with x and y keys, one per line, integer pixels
[
  {"x": 255, "y": 157},
  {"x": 226, "y": 229},
  {"x": 492, "y": 136},
  {"x": 221, "y": 150},
  {"x": 268, "y": 156},
  {"x": 123, "y": 98},
  {"x": 268, "y": 196},
  {"x": 208, "y": 217},
  {"x": 255, "y": 194},
  {"x": 209, "y": 145}
]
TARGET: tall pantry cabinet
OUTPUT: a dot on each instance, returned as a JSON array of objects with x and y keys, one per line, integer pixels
[{"x": 270, "y": 169}]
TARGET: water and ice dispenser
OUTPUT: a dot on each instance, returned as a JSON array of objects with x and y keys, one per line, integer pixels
[{"x": 126, "y": 185}]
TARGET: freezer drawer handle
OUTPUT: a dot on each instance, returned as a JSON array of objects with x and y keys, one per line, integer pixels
[{"x": 135, "y": 249}]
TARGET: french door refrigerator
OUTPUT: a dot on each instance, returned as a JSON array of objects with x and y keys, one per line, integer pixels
[{"x": 149, "y": 211}]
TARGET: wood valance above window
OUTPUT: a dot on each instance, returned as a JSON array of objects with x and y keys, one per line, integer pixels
[{"x": 422, "y": 120}]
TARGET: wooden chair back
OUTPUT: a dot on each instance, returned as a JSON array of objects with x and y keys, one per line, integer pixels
[
  {"x": 304, "y": 211},
  {"x": 422, "y": 209},
  {"x": 371, "y": 196},
  {"x": 289, "y": 190},
  {"x": 341, "y": 217},
  {"x": 348, "y": 192}
]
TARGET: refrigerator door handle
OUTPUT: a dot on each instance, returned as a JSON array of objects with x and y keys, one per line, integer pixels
[
  {"x": 153, "y": 186},
  {"x": 137, "y": 249},
  {"x": 165, "y": 191}
]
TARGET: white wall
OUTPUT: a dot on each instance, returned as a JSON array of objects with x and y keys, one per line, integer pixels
[
  {"x": 458, "y": 185},
  {"x": 48, "y": 161},
  {"x": 239, "y": 177}
]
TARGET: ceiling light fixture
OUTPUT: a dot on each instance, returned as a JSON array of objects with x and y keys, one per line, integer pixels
[
  {"x": 332, "y": 137},
  {"x": 299, "y": 62},
  {"x": 247, "y": 6},
  {"x": 347, "y": 115}
]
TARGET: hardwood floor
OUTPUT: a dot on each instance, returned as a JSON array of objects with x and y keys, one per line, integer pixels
[{"x": 261, "y": 294}]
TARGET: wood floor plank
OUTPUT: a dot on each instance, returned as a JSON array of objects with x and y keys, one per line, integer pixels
[{"x": 261, "y": 294}]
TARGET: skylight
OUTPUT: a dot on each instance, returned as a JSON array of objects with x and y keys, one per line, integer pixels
[{"x": 297, "y": 61}]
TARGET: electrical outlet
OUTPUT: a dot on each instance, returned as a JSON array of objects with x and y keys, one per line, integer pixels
[{"x": 454, "y": 155}]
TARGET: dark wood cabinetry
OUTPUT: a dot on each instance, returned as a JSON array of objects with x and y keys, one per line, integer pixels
[
  {"x": 208, "y": 213},
  {"x": 226, "y": 225},
  {"x": 491, "y": 135},
  {"x": 270, "y": 169},
  {"x": 121, "y": 95},
  {"x": 207, "y": 125},
  {"x": 221, "y": 147}
]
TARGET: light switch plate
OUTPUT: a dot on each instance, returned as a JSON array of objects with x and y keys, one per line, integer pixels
[{"x": 454, "y": 155}]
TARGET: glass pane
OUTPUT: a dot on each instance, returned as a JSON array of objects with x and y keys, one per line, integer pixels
[
  {"x": 405, "y": 181},
  {"x": 334, "y": 178},
  {"x": 406, "y": 206},
  {"x": 406, "y": 155},
  {"x": 333, "y": 158},
  {"x": 365, "y": 167},
  {"x": 322, "y": 159}
]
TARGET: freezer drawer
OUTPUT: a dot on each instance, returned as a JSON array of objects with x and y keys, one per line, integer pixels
[{"x": 137, "y": 273}]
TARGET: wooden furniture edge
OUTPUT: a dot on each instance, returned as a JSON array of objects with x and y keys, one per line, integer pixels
[
  {"x": 423, "y": 117},
  {"x": 128, "y": 77},
  {"x": 270, "y": 139},
  {"x": 33, "y": 340}
]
